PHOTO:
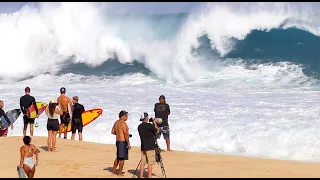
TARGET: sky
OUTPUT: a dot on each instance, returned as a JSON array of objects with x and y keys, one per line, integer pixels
[{"x": 129, "y": 7}]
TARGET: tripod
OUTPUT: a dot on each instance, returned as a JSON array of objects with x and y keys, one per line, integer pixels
[
  {"x": 137, "y": 169},
  {"x": 159, "y": 159}
]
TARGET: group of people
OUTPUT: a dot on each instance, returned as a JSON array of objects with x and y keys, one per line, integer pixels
[
  {"x": 53, "y": 111},
  {"x": 148, "y": 133}
]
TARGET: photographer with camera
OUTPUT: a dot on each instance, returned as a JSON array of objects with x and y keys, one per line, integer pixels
[{"x": 147, "y": 133}]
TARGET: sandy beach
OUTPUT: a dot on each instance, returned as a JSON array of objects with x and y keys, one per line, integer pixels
[{"x": 85, "y": 159}]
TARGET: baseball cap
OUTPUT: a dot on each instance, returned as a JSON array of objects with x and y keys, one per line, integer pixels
[
  {"x": 162, "y": 97},
  {"x": 62, "y": 90},
  {"x": 122, "y": 113},
  {"x": 144, "y": 116}
]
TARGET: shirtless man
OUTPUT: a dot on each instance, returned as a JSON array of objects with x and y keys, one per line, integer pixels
[
  {"x": 63, "y": 101},
  {"x": 121, "y": 130}
]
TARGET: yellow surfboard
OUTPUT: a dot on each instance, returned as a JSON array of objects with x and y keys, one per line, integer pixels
[
  {"x": 32, "y": 111},
  {"x": 88, "y": 117}
]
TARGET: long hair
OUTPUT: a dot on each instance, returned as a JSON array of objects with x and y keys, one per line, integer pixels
[{"x": 52, "y": 107}]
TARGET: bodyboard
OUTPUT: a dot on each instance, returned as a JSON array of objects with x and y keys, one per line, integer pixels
[
  {"x": 12, "y": 115},
  {"x": 21, "y": 172}
]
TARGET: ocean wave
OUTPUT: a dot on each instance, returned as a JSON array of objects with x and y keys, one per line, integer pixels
[{"x": 83, "y": 39}]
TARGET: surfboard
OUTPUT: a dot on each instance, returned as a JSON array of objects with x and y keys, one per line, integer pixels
[
  {"x": 88, "y": 117},
  {"x": 70, "y": 111},
  {"x": 21, "y": 172},
  {"x": 41, "y": 107},
  {"x": 12, "y": 115}
]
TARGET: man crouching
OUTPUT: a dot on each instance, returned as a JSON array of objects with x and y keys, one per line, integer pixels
[{"x": 147, "y": 133}]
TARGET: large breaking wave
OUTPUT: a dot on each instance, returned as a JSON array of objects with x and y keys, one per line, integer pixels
[{"x": 83, "y": 38}]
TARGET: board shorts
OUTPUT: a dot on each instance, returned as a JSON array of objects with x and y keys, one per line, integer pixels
[
  {"x": 27, "y": 120},
  {"x": 165, "y": 131},
  {"x": 122, "y": 150},
  {"x": 65, "y": 119},
  {"x": 53, "y": 125},
  {"x": 4, "y": 132},
  {"x": 76, "y": 126},
  {"x": 148, "y": 157}
]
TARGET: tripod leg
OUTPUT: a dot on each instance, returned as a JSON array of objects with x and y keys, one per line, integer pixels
[
  {"x": 162, "y": 168},
  {"x": 137, "y": 169}
]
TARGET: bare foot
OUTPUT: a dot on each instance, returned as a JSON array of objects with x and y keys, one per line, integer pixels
[
  {"x": 169, "y": 150},
  {"x": 120, "y": 174}
]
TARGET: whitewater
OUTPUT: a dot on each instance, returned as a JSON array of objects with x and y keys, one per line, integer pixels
[{"x": 240, "y": 78}]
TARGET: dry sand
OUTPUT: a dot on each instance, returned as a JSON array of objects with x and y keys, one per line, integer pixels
[{"x": 85, "y": 159}]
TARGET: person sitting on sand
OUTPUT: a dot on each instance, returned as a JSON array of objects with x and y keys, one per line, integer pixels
[
  {"x": 4, "y": 132},
  {"x": 76, "y": 122},
  {"x": 26, "y": 159},
  {"x": 53, "y": 111},
  {"x": 121, "y": 130}
]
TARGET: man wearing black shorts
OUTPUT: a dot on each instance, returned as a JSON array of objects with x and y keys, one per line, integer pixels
[
  {"x": 162, "y": 110},
  {"x": 76, "y": 123},
  {"x": 25, "y": 102},
  {"x": 63, "y": 101}
]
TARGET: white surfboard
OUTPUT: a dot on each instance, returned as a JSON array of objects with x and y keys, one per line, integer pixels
[{"x": 70, "y": 111}]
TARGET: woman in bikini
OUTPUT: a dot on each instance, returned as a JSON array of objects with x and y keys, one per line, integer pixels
[
  {"x": 53, "y": 111},
  {"x": 26, "y": 160}
]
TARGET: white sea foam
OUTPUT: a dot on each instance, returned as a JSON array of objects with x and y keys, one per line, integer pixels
[{"x": 247, "y": 121}]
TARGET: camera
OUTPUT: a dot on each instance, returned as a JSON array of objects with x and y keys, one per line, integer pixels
[{"x": 158, "y": 120}]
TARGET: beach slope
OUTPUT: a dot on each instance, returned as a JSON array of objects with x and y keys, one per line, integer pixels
[{"x": 85, "y": 159}]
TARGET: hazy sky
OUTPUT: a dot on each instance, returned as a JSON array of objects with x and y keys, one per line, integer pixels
[{"x": 131, "y": 7}]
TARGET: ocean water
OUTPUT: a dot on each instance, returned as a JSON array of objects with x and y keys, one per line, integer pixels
[{"x": 240, "y": 78}]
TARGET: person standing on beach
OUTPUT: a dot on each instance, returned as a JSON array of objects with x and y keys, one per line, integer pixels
[
  {"x": 4, "y": 132},
  {"x": 162, "y": 110},
  {"x": 121, "y": 130},
  {"x": 76, "y": 123},
  {"x": 25, "y": 102},
  {"x": 63, "y": 101},
  {"x": 26, "y": 157},
  {"x": 53, "y": 111},
  {"x": 147, "y": 133}
]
